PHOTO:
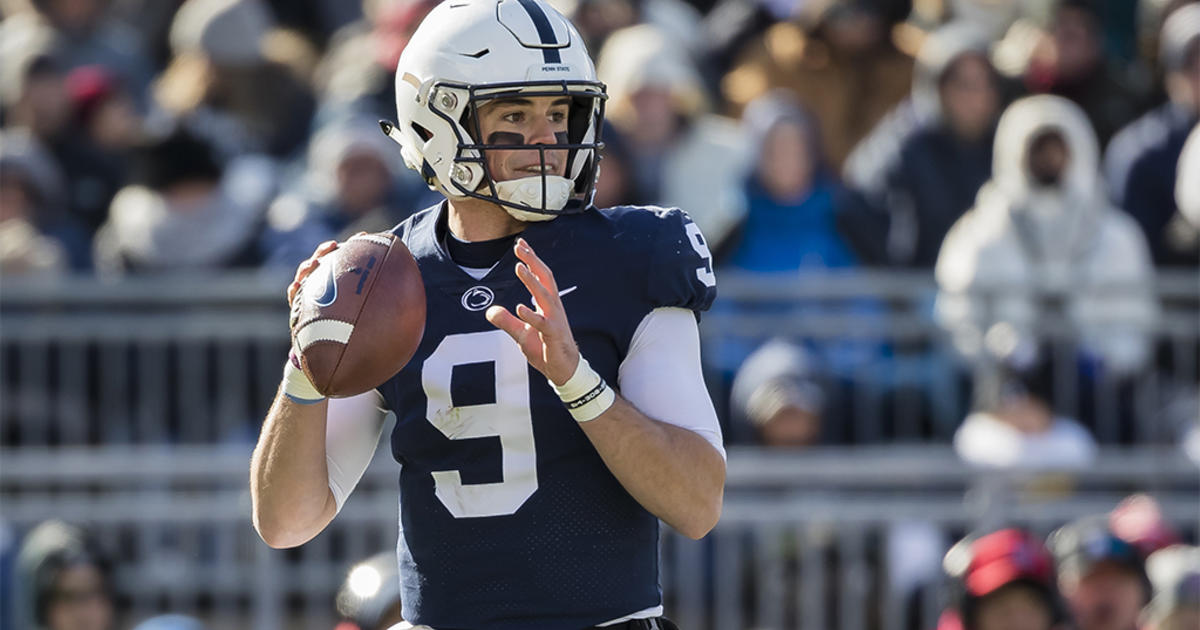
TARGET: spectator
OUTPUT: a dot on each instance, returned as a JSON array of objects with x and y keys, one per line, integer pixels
[
  {"x": 87, "y": 33},
  {"x": 61, "y": 581},
  {"x": 1041, "y": 246},
  {"x": 1004, "y": 581},
  {"x": 615, "y": 183},
  {"x": 34, "y": 234},
  {"x": 913, "y": 182},
  {"x": 229, "y": 84},
  {"x": 789, "y": 196},
  {"x": 355, "y": 75},
  {"x": 32, "y": 81},
  {"x": 1015, "y": 426},
  {"x": 1071, "y": 63},
  {"x": 107, "y": 127},
  {"x": 1175, "y": 574},
  {"x": 1102, "y": 577},
  {"x": 777, "y": 397},
  {"x": 1140, "y": 164},
  {"x": 598, "y": 19},
  {"x": 840, "y": 62},
  {"x": 369, "y": 599},
  {"x": 352, "y": 184},
  {"x": 681, "y": 155},
  {"x": 790, "y": 229},
  {"x": 181, "y": 212}
]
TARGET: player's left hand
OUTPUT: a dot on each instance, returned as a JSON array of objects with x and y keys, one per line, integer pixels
[{"x": 544, "y": 335}]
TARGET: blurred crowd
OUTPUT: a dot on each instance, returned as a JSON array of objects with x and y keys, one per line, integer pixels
[
  {"x": 145, "y": 136},
  {"x": 1016, "y": 149}
]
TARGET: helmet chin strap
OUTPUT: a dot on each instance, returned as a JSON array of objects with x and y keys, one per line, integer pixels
[{"x": 527, "y": 191}]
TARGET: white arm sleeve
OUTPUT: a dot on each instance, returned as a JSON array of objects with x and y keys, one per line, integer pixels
[
  {"x": 352, "y": 429},
  {"x": 661, "y": 375}
]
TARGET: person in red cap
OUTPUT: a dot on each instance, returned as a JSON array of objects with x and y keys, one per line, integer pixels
[{"x": 1005, "y": 581}]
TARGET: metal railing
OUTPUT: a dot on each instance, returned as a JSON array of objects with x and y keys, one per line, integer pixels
[
  {"x": 196, "y": 359},
  {"x": 807, "y": 540}
]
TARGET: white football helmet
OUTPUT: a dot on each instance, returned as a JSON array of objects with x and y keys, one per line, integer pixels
[{"x": 467, "y": 52}]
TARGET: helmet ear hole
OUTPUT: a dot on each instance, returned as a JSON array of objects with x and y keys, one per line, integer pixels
[{"x": 422, "y": 133}]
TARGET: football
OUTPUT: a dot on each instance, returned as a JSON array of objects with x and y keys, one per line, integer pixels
[{"x": 359, "y": 316}]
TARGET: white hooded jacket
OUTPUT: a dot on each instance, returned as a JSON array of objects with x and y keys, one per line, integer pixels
[{"x": 1021, "y": 239}]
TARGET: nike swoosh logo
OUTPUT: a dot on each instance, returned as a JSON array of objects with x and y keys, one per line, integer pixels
[
  {"x": 330, "y": 290},
  {"x": 567, "y": 290}
]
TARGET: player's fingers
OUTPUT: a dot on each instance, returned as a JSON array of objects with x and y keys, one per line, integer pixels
[
  {"x": 546, "y": 300},
  {"x": 537, "y": 265},
  {"x": 501, "y": 318},
  {"x": 533, "y": 318}
]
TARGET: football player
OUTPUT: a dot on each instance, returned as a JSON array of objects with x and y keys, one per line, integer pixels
[{"x": 555, "y": 409}]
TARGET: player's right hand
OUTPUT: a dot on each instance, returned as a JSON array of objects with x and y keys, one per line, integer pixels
[{"x": 307, "y": 267}]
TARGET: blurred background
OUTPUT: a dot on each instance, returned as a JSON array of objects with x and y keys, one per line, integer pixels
[{"x": 955, "y": 350}]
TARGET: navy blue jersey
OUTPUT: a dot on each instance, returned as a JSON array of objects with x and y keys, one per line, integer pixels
[{"x": 508, "y": 517}]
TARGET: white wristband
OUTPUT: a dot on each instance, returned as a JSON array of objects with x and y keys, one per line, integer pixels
[
  {"x": 297, "y": 387},
  {"x": 585, "y": 394}
]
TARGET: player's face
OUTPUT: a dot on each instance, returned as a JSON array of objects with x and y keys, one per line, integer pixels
[{"x": 532, "y": 120}]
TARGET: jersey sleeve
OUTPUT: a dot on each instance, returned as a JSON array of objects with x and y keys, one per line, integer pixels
[
  {"x": 662, "y": 376},
  {"x": 680, "y": 272},
  {"x": 352, "y": 430}
]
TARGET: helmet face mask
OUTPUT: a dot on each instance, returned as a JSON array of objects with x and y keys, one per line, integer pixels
[
  {"x": 585, "y": 114},
  {"x": 443, "y": 82}
]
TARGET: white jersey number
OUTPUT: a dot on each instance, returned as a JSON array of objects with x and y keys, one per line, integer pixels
[
  {"x": 705, "y": 271},
  {"x": 509, "y": 418}
]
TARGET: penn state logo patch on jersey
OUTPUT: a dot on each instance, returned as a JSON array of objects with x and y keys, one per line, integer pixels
[{"x": 478, "y": 298}]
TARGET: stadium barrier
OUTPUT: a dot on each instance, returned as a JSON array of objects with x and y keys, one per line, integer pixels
[
  {"x": 826, "y": 539},
  {"x": 196, "y": 359}
]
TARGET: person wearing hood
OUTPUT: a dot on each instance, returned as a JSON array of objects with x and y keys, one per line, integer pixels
[
  {"x": 909, "y": 187},
  {"x": 61, "y": 581},
  {"x": 182, "y": 212},
  {"x": 353, "y": 183},
  {"x": 1042, "y": 247},
  {"x": 789, "y": 197},
  {"x": 1140, "y": 163},
  {"x": 681, "y": 154}
]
